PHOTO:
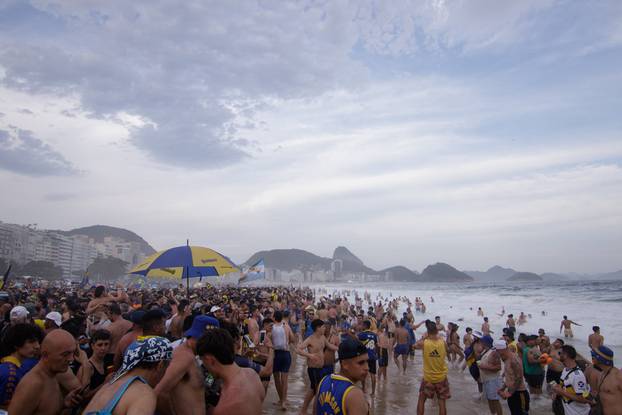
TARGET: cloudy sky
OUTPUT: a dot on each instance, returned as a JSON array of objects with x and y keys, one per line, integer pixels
[{"x": 474, "y": 132}]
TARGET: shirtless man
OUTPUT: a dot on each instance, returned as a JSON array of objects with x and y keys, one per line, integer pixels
[
  {"x": 567, "y": 326},
  {"x": 101, "y": 298},
  {"x": 385, "y": 344},
  {"x": 242, "y": 391},
  {"x": 439, "y": 325},
  {"x": 544, "y": 341},
  {"x": 181, "y": 389},
  {"x": 486, "y": 328},
  {"x": 313, "y": 349},
  {"x": 595, "y": 340},
  {"x": 177, "y": 323},
  {"x": 511, "y": 323},
  {"x": 468, "y": 338},
  {"x": 136, "y": 318},
  {"x": 39, "y": 392},
  {"x": 402, "y": 345},
  {"x": 556, "y": 367},
  {"x": 605, "y": 380},
  {"x": 253, "y": 325},
  {"x": 139, "y": 373},
  {"x": 119, "y": 326},
  {"x": 513, "y": 388}
]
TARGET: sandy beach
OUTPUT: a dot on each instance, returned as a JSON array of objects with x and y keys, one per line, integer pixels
[{"x": 398, "y": 395}]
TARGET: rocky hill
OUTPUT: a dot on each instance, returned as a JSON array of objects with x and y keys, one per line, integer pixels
[
  {"x": 290, "y": 259},
  {"x": 401, "y": 274},
  {"x": 525, "y": 277},
  {"x": 494, "y": 274},
  {"x": 351, "y": 263},
  {"x": 99, "y": 232},
  {"x": 441, "y": 272}
]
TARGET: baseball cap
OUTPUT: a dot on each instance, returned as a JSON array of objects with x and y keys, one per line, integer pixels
[
  {"x": 136, "y": 317},
  {"x": 499, "y": 345},
  {"x": 19, "y": 312},
  {"x": 351, "y": 348},
  {"x": 477, "y": 334},
  {"x": 603, "y": 355},
  {"x": 214, "y": 309},
  {"x": 149, "y": 349},
  {"x": 55, "y": 317},
  {"x": 200, "y": 324},
  {"x": 487, "y": 340}
]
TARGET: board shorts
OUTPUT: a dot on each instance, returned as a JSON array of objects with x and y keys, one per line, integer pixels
[
  {"x": 519, "y": 403},
  {"x": 328, "y": 370},
  {"x": 384, "y": 357},
  {"x": 315, "y": 376},
  {"x": 371, "y": 363},
  {"x": 401, "y": 349},
  {"x": 535, "y": 381},
  {"x": 474, "y": 371},
  {"x": 282, "y": 361},
  {"x": 491, "y": 389},
  {"x": 440, "y": 389}
]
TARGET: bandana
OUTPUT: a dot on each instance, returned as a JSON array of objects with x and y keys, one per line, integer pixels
[{"x": 145, "y": 349}]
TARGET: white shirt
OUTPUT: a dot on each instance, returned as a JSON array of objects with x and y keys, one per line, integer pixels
[{"x": 575, "y": 383}]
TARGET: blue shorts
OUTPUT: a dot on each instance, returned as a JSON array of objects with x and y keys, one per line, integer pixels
[
  {"x": 491, "y": 389},
  {"x": 282, "y": 361},
  {"x": 328, "y": 370},
  {"x": 401, "y": 349}
]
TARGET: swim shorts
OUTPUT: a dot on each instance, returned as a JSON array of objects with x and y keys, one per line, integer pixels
[
  {"x": 491, "y": 388},
  {"x": 315, "y": 376},
  {"x": 327, "y": 370},
  {"x": 474, "y": 371},
  {"x": 568, "y": 333},
  {"x": 384, "y": 358},
  {"x": 372, "y": 366},
  {"x": 282, "y": 361},
  {"x": 535, "y": 381},
  {"x": 519, "y": 403},
  {"x": 401, "y": 349},
  {"x": 440, "y": 389}
]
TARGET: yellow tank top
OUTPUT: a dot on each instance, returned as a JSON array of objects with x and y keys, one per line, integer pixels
[{"x": 434, "y": 364}]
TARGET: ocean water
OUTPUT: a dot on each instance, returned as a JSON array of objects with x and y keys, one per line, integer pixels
[{"x": 589, "y": 303}]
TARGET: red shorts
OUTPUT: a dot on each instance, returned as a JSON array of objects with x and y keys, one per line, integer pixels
[{"x": 440, "y": 390}]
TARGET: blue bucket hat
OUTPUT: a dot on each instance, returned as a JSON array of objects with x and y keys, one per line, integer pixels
[{"x": 603, "y": 355}]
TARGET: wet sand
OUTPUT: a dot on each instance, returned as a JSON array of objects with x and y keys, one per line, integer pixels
[{"x": 398, "y": 395}]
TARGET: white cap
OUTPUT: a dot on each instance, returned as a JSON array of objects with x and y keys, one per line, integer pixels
[
  {"x": 55, "y": 317},
  {"x": 500, "y": 345},
  {"x": 214, "y": 309},
  {"x": 19, "y": 312}
]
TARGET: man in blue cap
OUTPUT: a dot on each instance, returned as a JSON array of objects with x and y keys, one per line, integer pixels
[
  {"x": 336, "y": 393},
  {"x": 181, "y": 389},
  {"x": 605, "y": 381}
]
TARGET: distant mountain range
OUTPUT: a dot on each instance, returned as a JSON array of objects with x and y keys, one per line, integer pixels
[
  {"x": 99, "y": 232},
  {"x": 298, "y": 259}
]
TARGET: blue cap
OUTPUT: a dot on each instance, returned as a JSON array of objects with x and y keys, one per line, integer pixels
[
  {"x": 487, "y": 340},
  {"x": 603, "y": 355},
  {"x": 200, "y": 324}
]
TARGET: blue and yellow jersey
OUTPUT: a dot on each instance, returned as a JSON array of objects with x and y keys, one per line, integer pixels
[
  {"x": 370, "y": 340},
  {"x": 332, "y": 393}
]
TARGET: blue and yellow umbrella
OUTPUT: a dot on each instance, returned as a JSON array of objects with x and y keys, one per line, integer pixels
[{"x": 185, "y": 262}]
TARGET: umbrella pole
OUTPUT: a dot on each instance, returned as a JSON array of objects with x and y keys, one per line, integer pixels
[{"x": 187, "y": 283}]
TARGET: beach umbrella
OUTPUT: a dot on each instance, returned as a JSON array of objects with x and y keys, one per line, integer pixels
[{"x": 185, "y": 262}]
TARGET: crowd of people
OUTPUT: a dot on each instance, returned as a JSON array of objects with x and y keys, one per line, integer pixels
[{"x": 218, "y": 350}]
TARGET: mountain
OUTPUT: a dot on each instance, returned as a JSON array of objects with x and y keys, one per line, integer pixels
[
  {"x": 441, "y": 272},
  {"x": 551, "y": 276},
  {"x": 401, "y": 274},
  {"x": 494, "y": 274},
  {"x": 525, "y": 277},
  {"x": 290, "y": 259},
  {"x": 612, "y": 275},
  {"x": 351, "y": 263},
  {"x": 99, "y": 232}
]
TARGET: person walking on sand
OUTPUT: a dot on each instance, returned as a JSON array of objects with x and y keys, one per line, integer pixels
[
  {"x": 434, "y": 382},
  {"x": 566, "y": 325},
  {"x": 513, "y": 388},
  {"x": 490, "y": 372}
]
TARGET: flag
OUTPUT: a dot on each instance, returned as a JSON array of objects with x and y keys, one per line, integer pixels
[
  {"x": 85, "y": 279},
  {"x": 255, "y": 272},
  {"x": 5, "y": 278}
]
